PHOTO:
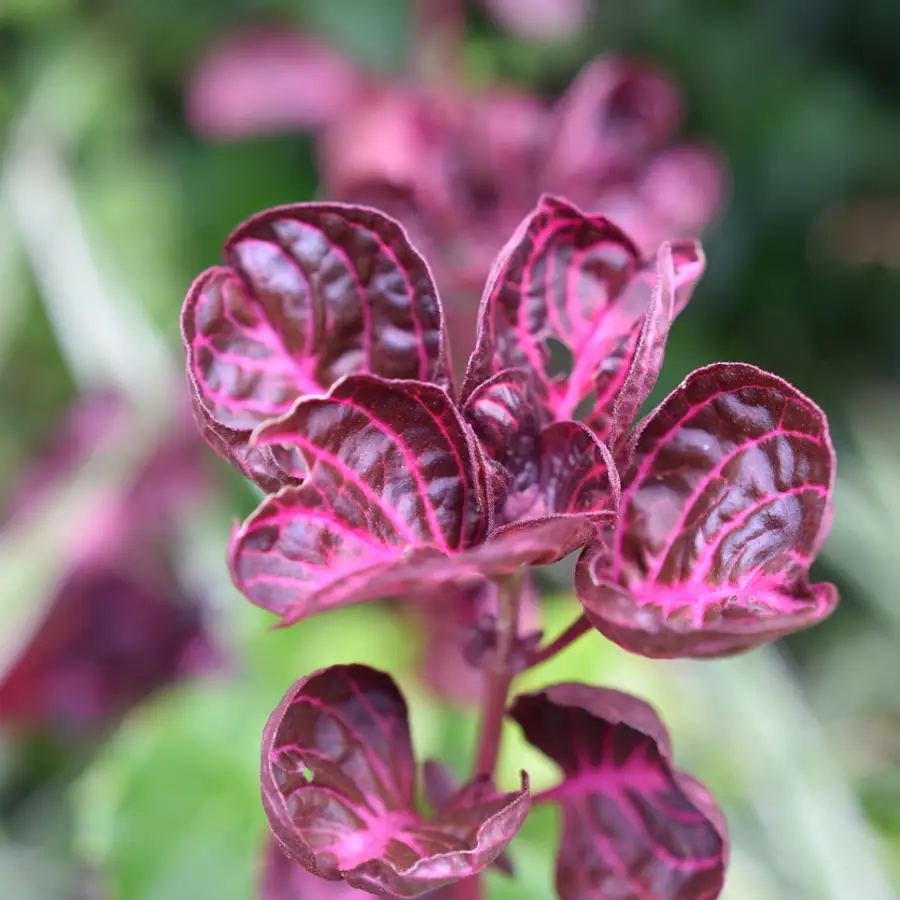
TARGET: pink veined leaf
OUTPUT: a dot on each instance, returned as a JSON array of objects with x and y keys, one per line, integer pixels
[
  {"x": 557, "y": 471},
  {"x": 269, "y": 81},
  {"x": 338, "y": 787},
  {"x": 309, "y": 293},
  {"x": 577, "y": 280},
  {"x": 283, "y": 879},
  {"x": 630, "y": 370},
  {"x": 633, "y": 827},
  {"x": 396, "y": 499},
  {"x": 633, "y": 337},
  {"x": 395, "y": 477},
  {"x": 726, "y": 502},
  {"x": 554, "y": 279}
]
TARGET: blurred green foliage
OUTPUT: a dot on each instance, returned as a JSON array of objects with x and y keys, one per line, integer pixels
[{"x": 803, "y": 99}]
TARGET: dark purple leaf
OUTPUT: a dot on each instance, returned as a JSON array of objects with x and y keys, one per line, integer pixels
[
  {"x": 555, "y": 279},
  {"x": 633, "y": 827},
  {"x": 396, "y": 499},
  {"x": 557, "y": 470},
  {"x": 338, "y": 786},
  {"x": 395, "y": 478},
  {"x": 118, "y": 624},
  {"x": 111, "y": 637},
  {"x": 507, "y": 422},
  {"x": 268, "y": 81},
  {"x": 576, "y": 280},
  {"x": 726, "y": 503},
  {"x": 629, "y": 372},
  {"x": 309, "y": 293}
]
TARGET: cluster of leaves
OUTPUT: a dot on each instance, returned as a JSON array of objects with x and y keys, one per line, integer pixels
[{"x": 319, "y": 366}]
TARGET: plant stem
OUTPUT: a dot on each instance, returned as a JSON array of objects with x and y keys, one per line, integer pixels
[
  {"x": 579, "y": 627},
  {"x": 498, "y": 675}
]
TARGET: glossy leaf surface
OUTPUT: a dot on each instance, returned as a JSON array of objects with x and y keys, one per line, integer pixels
[
  {"x": 633, "y": 827},
  {"x": 309, "y": 293},
  {"x": 575, "y": 281},
  {"x": 726, "y": 503},
  {"x": 338, "y": 785},
  {"x": 394, "y": 478}
]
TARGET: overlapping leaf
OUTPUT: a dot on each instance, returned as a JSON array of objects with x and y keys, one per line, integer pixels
[
  {"x": 397, "y": 497},
  {"x": 309, "y": 293},
  {"x": 394, "y": 477},
  {"x": 577, "y": 280},
  {"x": 633, "y": 827},
  {"x": 725, "y": 505},
  {"x": 548, "y": 471},
  {"x": 338, "y": 786}
]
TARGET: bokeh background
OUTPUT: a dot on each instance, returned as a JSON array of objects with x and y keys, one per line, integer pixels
[{"x": 110, "y": 203}]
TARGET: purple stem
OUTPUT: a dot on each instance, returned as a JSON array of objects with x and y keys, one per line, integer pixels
[
  {"x": 579, "y": 627},
  {"x": 498, "y": 676}
]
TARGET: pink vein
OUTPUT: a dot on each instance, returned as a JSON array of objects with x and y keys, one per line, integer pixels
[{"x": 703, "y": 483}]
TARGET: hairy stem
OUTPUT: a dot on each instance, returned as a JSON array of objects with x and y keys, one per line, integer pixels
[
  {"x": 579, "y": 627},
  {"x": 498, "y": 675}
]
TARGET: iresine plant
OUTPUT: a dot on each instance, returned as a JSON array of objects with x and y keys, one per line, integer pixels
[{"x": 319, "y": 367}]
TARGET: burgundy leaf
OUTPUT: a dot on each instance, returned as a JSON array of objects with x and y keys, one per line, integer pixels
[
  {"x": 309, "y": 293},
  {"x": 726, "y": 503},
  {"x": 556, "y": 279},
  {"x": 507, "y": 422},
  {"x": 637, "y": 337},
  {"x": 338, "y": 786},
  {"x": 633, "y": 827},
  {"x": 395, "y": 476},
  {"x": 578, "y": 475},
  {"x": 634, "y": 337},
  {"x": 119, "y": 624},
  {"x": 443, "y": 791},
  {"x": 112, "y": 636},
  {"x": 561, "y": 469},
  {"x": 269, "y": 81}
]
